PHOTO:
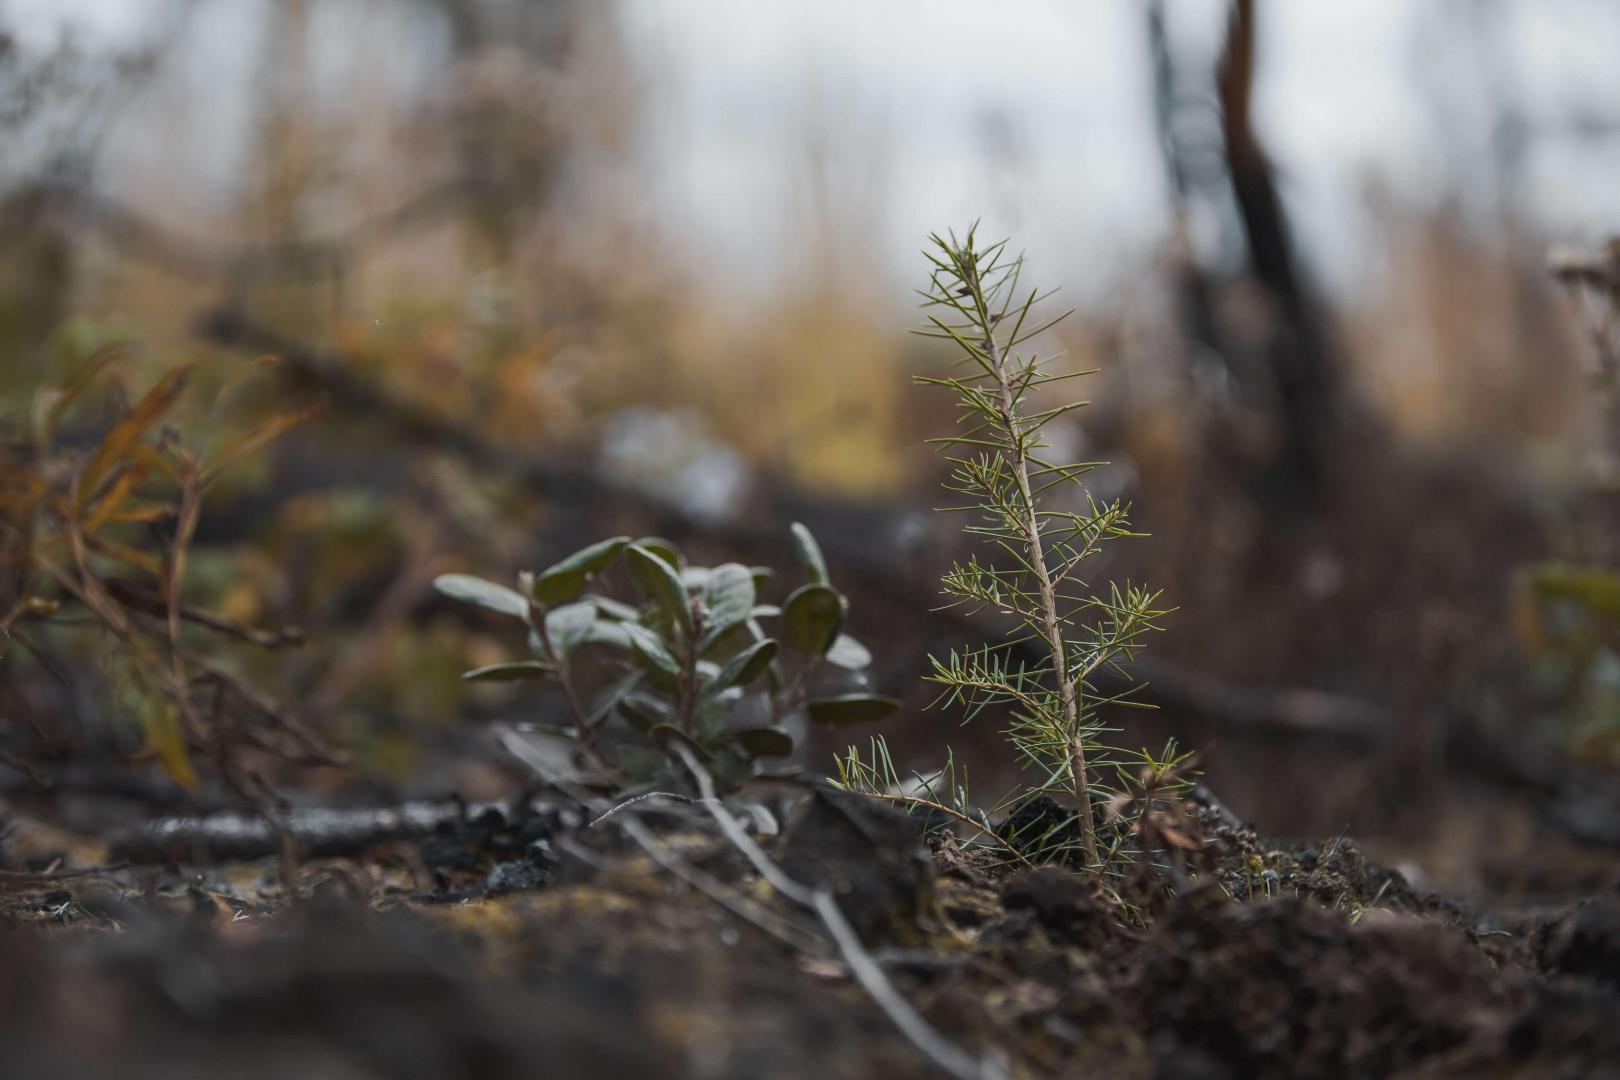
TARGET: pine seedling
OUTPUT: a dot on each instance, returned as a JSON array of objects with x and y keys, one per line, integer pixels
[{"x": 1040, "y": 524}]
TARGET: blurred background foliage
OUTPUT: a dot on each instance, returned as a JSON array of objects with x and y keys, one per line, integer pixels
[{"x": 565, "y": 269}]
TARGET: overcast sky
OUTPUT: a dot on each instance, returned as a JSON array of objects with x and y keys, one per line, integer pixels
[
  {"x": 1036, "y": 115},
  {"x": 1033, "y": 115}
]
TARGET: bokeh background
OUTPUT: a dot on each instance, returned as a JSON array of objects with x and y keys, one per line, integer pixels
[{"x": 569, "y": 268}]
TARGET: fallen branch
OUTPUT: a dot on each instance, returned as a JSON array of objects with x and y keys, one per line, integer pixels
[{"x": 246, "y": 835}]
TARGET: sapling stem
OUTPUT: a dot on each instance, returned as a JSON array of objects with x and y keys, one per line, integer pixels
[{"x": 1051, "y": 618}]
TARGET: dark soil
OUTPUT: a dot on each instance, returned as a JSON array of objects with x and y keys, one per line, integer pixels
[{"x": 519, "y": 944}]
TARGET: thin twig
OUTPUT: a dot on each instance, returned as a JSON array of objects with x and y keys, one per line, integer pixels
[
  {"x": 631, "y": 825},
  {"x": 746, "y": 908},
  {"x": 626, "y": 804},
  {"x": 687, "y": 704},
  {"x": 865, "y": 970},
  {"x": 559, "y": 663}
]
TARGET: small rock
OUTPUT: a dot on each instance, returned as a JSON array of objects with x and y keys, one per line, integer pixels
[{"x": 519, "y": 875}]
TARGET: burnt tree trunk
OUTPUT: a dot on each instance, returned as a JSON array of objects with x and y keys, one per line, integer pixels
[{"x": 1297, "y": 351}]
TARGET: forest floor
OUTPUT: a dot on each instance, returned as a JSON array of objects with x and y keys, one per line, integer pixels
[
  {"x": 519, "y": 939},
  {"x": 496, "y": 942}
]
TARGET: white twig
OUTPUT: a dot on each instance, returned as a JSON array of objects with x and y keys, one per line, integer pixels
[
  {"x": 630, "y": 824},
  {"x": 752, "y": 911},
  {"x": 907, "y": 1020},
  {"x": 672, "y": 796}
]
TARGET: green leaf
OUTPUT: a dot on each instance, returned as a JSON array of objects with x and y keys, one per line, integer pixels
[
  {"x": 744, "y": 668},
  {"x": 669, "y": 733},
  {"x": 565, "y": 580},
  {"x": 764, "y": 742},
  {"x": 811, "y": 619},
  {"x": 810, "y": 557},
  {"x": 642, "y": 712},
  {"x": 729, "y": 766},
  {"x": 640, "y": 765},
  {"x": 608, "y": 632},
  {"x": 613, "y": 609},
  {"x": 773, "y": 670},
  {"x": 475, "y": 590},
  {"x": 729, "y": 642},
  {"x": 612, "y": 698},
  {"x": 663, "y": 549},
  {"x": 656, "y": 659},
  {"x": 570, "y": 626},
  {"x": 728, "y": 594},
  {"x": 518, "y": 669},
  {"x": 710, "y": 718},
  {"x": 849, "y": 654},
  {"x": 850, "y": 709},
  {"x": 658, "y": 579}
]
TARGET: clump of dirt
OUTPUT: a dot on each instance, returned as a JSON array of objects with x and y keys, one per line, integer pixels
[
  {"x": 1064, "y": 905},
  {"x": 1334, "y": 873},
  {"x": 1586, "y": 942},
  {"x": 1286, "y": 988},
  {"x": 333, "y": 992}
]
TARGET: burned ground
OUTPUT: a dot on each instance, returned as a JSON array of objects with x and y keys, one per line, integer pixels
[{"x": 511, "y": 943}]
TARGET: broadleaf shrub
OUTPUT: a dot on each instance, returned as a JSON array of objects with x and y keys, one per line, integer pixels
[{"x": 692, "y": 657}]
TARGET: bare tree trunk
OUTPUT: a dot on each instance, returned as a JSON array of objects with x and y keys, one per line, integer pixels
[{"x": 1298, "y": 353}]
